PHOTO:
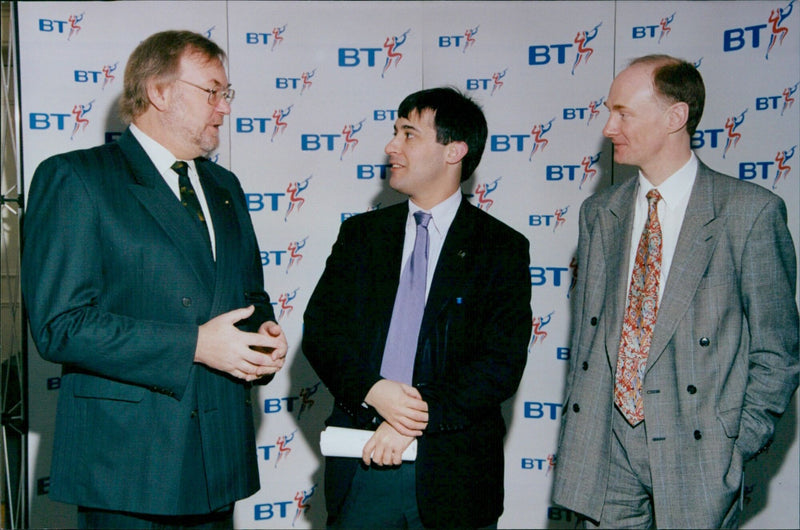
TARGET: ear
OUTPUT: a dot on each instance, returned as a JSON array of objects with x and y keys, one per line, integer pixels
[
  {"x": 677, "y": 116},
  {"x": 158, "y": 94},
  {"x": 456, "y": 151}
]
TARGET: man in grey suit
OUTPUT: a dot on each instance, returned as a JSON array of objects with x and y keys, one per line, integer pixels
[
  {"x": 722, "y": 362},
  {"x": 148, "y": 290}
]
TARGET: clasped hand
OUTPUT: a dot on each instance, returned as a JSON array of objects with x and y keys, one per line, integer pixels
[
  {"x": 400, "y": 405},
  {"x": 244, "y": 355}
]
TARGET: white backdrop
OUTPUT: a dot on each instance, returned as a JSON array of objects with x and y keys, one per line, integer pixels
[{"x": 317, "y": 85}]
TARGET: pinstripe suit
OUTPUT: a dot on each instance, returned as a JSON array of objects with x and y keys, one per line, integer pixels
[
  {"x": 117, "y": 279},
  {"x": 723, "y": 362}
]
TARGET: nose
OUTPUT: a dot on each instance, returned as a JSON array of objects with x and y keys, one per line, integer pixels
[
  {"x": 391, "y": 147},
  {"x": 223, "y": 106},
  {"x": 610, "y": 128}
]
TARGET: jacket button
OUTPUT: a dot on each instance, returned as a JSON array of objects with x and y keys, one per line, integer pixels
[
  {"x": 593, "y": 321},
  {"x": 585, "y": 365},
  {"x": 193, "y": 414},
  {"x": 691, "y": 389},
  {"x": 576, "y": 407},
  {"x": 697, "y": 435},
  {"x": 186, "y": 301},
  {"x": 704, "y": 342}
]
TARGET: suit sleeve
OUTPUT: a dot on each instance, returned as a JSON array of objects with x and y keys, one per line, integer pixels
[
  {"x": 491, "y": 372},
  {"x": 63, "y": 281},
  {"x": 330, "y": 342},
  {"x": 768, "y": 279}
]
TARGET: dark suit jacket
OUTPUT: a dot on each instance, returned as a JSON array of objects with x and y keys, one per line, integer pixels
[
  {"x": 116, "y": 279},
  {"x": 470, "y": 356},
  {"x": 723, "y": 362}
]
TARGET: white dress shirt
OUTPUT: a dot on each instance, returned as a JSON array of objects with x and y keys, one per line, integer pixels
[
  {"x": 675, "y": 192},
  {"x": 163, "y": 160}
]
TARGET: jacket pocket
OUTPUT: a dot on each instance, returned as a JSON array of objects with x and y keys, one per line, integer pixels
[{"x": 91, "y": 387}]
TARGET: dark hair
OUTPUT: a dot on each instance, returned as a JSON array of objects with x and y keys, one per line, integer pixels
[
  {"x": 678, "y": 81},
  {"x": 158, "y": 57},
  {"x": 457, "y": 119}
]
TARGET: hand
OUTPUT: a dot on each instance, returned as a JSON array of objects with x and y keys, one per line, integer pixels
[
  {"x": 223, "y": 347},
  {"x": 400, "y": 405},
  {"x": 274, "y": 332},
  {"x": 385, "y": 447}
]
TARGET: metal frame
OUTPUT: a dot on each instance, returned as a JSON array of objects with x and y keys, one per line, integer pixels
[{"x": 13, "y": 369}]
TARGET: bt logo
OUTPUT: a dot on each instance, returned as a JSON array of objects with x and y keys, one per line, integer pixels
[
  {"x": 483, "y": 190},
  {"x": 280, "y": 509},
  {"x": 555, "y": 220},
  {"x": 763, "y": 169},
  {"x": 494, "y": 82},
  {"x": 731, "y": 130},
  {"x": 105, "y": 74},
  {"x": 273, "y": 38},
  {"x": 257, "y": 202},
  {"x": 540, "y": 55},
  {"x": 540, "y": 464},
  {"x": 663, "y": 28},
  {"x": 543, "y": 276},
  {"x": 454, "y": 41},
  {"x": 591, "y": 111},
  {"x": 537, "y": 410},
  {"x": 774, "y": 102},
  {"x": 289, "y": 403},
  {"x": 586, "y": 169},
  {"x": 329, "y": 141},
  {"x": 370, "y": 171},
  {"x": 39, "y": 121},
  {"x": 735, "y": 39},
  {"x": 72, "y": 23},
  {"x": 353, "y": 57},
  {"x": 293, "y": 83}
]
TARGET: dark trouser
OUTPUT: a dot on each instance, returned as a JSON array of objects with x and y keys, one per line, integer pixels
[
  {"x": 93, "y": 518},
  {"x": 381, "y": 498}
]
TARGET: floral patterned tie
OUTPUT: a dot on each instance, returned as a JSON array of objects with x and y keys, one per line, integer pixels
[{"x": 640, "y": 317}]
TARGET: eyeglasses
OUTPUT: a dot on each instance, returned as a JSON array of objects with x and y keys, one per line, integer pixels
[{"x": 214, "y": 94}]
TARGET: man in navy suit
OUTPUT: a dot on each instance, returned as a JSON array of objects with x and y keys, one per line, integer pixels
[
  {"x": 467, "y": 356},
  {"x": 155, "y": 309}
]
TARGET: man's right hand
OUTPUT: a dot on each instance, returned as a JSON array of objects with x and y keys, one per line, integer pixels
[
  {"x": 224, "y": 347},
  {"x": 400, "y": 405}
]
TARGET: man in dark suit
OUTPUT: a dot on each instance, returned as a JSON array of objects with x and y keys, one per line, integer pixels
[
  {"x": 155, "y": 310},
  {"x": 716, "y": 346},
  {"x": 467, "y": 350}
]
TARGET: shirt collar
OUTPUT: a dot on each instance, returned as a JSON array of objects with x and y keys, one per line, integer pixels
[
  {"x": 442, "y": 214},
  {"x": 161, "y": 157},
  {"x": 677, "y": 186}
]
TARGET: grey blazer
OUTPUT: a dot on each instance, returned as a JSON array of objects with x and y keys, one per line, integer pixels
[
  {"x": 723, "y": 362},
  {"x": 117, "y": 278}
]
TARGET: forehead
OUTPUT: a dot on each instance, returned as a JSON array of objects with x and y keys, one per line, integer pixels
[
  {"x": 419, "y": 120},
  {"x": 209, "y": 68},
  {"x": 632, "y": 85}
]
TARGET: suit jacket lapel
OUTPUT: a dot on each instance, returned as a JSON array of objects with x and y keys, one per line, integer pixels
[
  {"x": 616, "y": 225},
  {"x": 157, "y": 198},
  {"x": 696, "y": 243},
  {"x": 451, "y": 269},
  {"x": 227, "y": 232}
]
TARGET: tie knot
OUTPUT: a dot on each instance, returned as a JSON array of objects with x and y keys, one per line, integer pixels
[
  {"x": 422, "y": 218},
  {"x": 653, "y": 196},
  {"x": 181, "y": 168}
]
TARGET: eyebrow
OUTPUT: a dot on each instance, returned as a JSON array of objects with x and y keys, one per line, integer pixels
[
  {"x": 614, "y": 107},
  {"x": 406, "y": 127}
]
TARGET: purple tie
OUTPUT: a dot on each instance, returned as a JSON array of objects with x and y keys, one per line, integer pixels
[{"x": 409, "y": 304}]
